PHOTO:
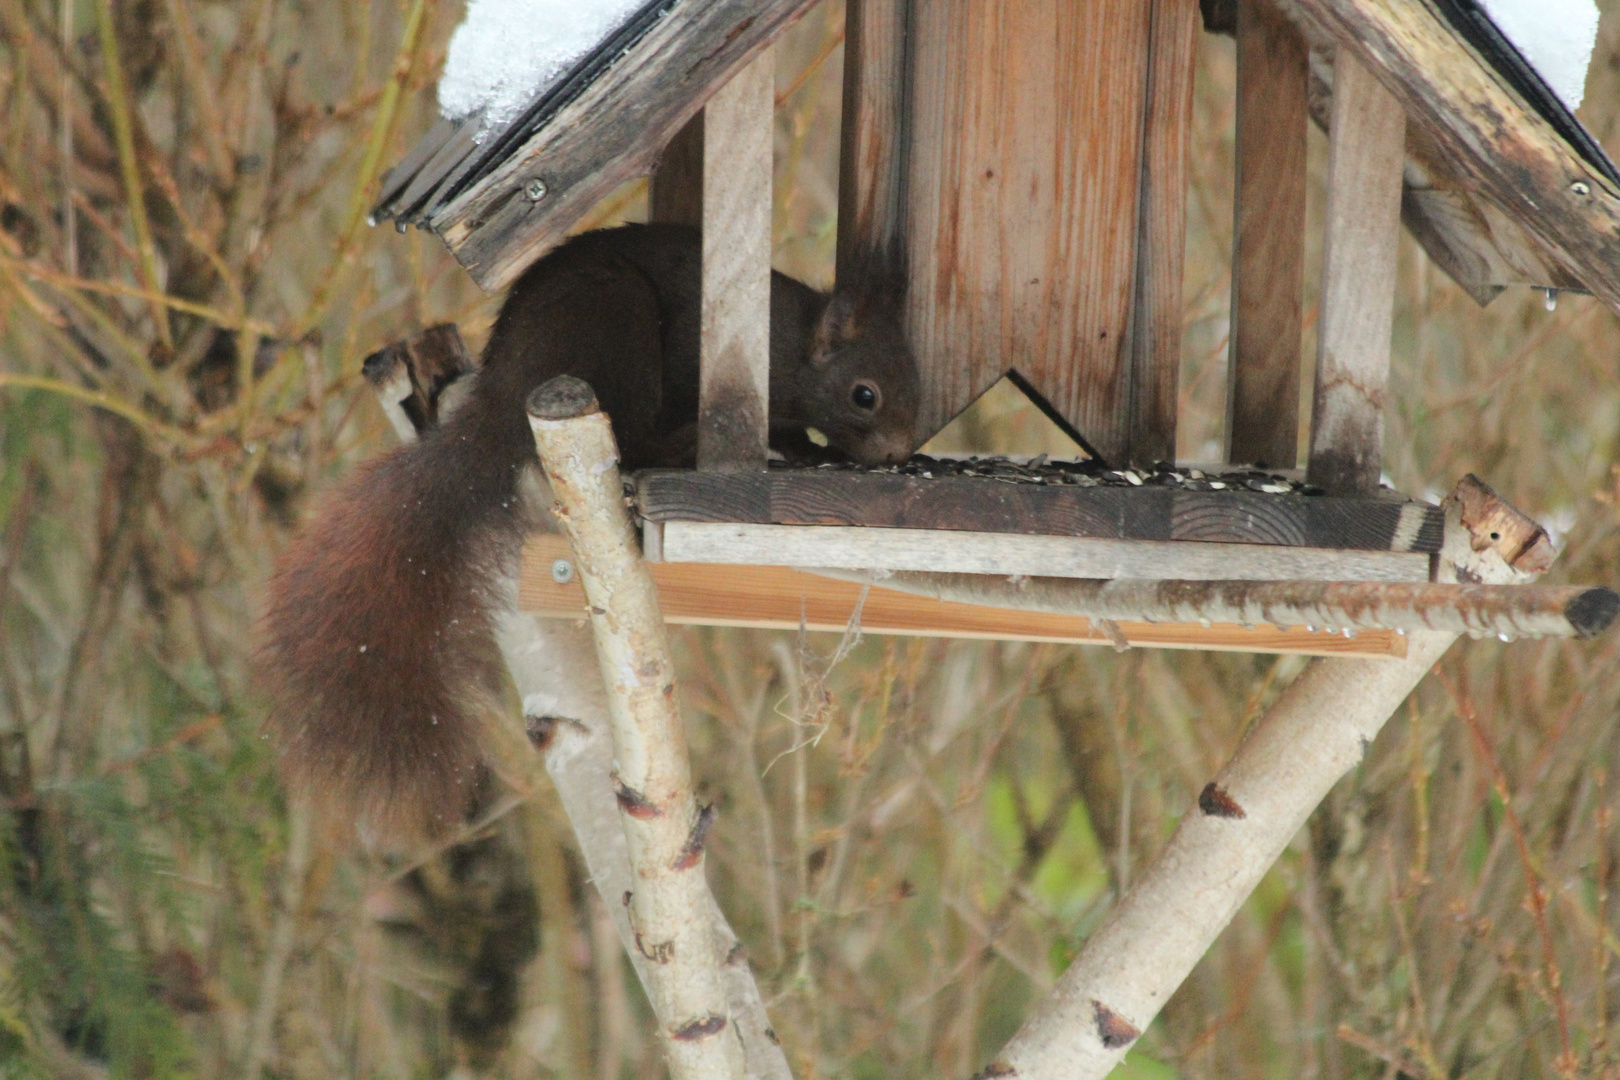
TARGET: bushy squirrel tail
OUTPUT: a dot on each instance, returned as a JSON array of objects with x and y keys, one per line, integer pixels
[{"x": 376, "y": 642}]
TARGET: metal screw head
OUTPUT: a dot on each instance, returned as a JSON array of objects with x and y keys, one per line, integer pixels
[
  {"x": 1581, "y": 188},
  {"x": 562, "y": 571},
  {"x": 535, "y": 189}
]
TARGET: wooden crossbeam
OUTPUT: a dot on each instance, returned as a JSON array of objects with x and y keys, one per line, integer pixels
[
  {"x": 778, "y": 598},
  {"x": 982, "y": 504}
]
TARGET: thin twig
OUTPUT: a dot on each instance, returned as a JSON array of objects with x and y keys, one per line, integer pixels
[
  {"x": 129, "y": 167},
  {"x": 1537, "y": 899}
]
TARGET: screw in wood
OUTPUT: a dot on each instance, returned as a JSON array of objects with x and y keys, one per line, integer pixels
[
  {"x": 535, "y": 189},
  {"x": 1581, "y": 188},
  {"x": 562, "y": 571}
]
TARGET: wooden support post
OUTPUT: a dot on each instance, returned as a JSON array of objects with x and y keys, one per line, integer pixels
[
  {"x": 734, "y": 387},
  {"x": 1268, "y": 233},
  {"x": 1244, "y": 818},
  {"x": 1161, "y": 231},
  {"x": 1367, "y": 151},
  {"x": 675, "y": 190},
  {"x": 669, "y": 901}
]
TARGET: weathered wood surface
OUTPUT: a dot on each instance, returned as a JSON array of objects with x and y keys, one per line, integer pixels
[
  {"x": 612, "y": 132},
  {"x": 734, "y": 384},
  {"x": 1161, "y": 231},
  {"x": 1482, "y": 248},
  {"x": 986, "y": 505},
  {"x": 675, "y": 190},
  {"x": 872, "y": 158},
  {"x": 1025, "y": 141},
  {"x": 1008, "y": 554},
  {"x": 1268, "y": 256},
  {"x": 411, "y": 376},
  {"x": 777, "y": 598},
  {"x": 1492, "y": 141},
  {"x": 1000, "y": 176},
  {"x": 1366, "y": 150}
]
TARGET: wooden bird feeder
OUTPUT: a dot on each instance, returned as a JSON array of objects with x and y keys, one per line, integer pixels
[{"x": 1015, "y": 174}]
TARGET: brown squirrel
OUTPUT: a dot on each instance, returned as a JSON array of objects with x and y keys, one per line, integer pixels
[{"x": 377, "y": 635}]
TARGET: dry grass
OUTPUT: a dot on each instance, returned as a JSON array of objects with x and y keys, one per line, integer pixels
[{"x": 914, "y": 836}]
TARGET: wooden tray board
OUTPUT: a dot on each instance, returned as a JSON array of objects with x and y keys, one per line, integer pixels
[{"x": 778, "y": 598}]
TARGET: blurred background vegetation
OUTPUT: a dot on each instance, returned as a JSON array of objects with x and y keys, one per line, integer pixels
[{"x": 915, "y": 836}]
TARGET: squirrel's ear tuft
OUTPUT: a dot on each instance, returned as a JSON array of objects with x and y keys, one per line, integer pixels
[{"x": 839, "y": 323}]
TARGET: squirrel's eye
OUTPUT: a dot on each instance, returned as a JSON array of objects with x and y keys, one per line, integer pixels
[{"x": 864, "y": 395}]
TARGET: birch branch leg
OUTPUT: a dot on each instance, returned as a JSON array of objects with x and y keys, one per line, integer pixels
[
  {"x": 1243, "y": 820},
  {"x": 553, "y": 663},
  {"x": 670, "y": 904},
  {"x": 566, "y": 709}
]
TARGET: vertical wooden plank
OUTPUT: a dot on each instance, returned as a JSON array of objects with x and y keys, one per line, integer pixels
[
  {"x": 1024, "y": 138},
  {"x": 1268, "y": 231},
  {"x": 872, "y": 160},
  {"x": 1366, "y": 154},
  {"x": 734, "y": 385},
  {"x": 1161, "y": 232},
  {"x": 675, "y": 190}
]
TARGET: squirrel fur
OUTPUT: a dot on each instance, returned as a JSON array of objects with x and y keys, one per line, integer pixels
[{"x": 377, "y": 641}]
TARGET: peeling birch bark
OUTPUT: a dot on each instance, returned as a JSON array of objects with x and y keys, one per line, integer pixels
[
  {"x": 1506, "y": 611},
  {"x": 552, "y": 662},
  {"x": 669, "y": 903},
  {"x": 1243, "y": 820},
  {"x": 566, "y": 715}
]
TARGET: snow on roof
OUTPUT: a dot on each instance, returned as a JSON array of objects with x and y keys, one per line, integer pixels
[
  {"x": 506, "y": 53},
  {"x": 1554, "y": 36}
]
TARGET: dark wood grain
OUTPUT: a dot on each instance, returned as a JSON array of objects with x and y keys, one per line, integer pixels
[
  {"x": 977, "y": 504},
  {"x": 872, "y": 160},
  {"x": 611, "y": 133},
  {"x": 675, "y": 190},
  {"x": 1268, "y": 257}
]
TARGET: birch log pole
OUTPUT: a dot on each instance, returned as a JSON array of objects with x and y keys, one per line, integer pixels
[
  {"x": 567, "y": 716},
  {"x": 1505, "y": 611},
  {"x": 1242, "y": 821},
  {"x": 669, "y": 901}
]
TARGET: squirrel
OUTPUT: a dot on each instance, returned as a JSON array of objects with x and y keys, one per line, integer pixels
[{"x": 376, "y": 638}]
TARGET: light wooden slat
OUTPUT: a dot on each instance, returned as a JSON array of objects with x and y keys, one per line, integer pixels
[
  {"x": 734, "y": 383},
  {"x": 1366, "y": 151},
  {"x": 768, "y": 597},
  {"x": 1268, "y": 258},
  {"x": 675, "y": 191},
  {"x": 1161, "y": 232},
  {"x": 858, "y": 548}
]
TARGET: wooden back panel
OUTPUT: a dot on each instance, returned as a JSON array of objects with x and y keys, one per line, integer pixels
[{"x": 994, "y": 167}]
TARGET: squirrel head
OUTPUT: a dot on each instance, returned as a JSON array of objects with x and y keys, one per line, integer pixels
[{"x": 863, "y": 391}]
